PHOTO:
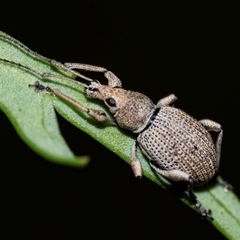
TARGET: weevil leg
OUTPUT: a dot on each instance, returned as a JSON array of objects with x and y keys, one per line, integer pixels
[
  {"x": 86, "y": 67},
  {"x": 113, "y": 80},
  {"x": 176, "y": 176},
  {"x": 204, "y": 211},
  {"x": 135, "y": 162},
  {"x": 173, "y": 175},
  {"x": 216, "y": 127},
  {"x": 166, "y": 101},
  {"x": 98, "y": 115}
]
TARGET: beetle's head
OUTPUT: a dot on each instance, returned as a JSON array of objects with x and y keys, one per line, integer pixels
[{"x": 131, "y": 110}]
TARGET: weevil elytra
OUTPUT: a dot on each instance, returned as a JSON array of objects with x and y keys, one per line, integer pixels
[{"x": 177, "y": 146}]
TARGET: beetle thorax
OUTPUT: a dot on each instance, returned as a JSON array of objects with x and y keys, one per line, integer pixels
[{"x": 134, "y": 112}]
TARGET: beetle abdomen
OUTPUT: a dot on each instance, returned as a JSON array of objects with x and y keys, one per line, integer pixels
[{"x": 176, "y": 141}]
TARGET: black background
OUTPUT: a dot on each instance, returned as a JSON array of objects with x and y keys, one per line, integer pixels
[{"x": 156, "y": 47}]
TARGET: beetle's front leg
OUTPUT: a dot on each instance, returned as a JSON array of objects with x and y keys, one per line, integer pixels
[
  {"x": 113, "y": 80},
  {"x": 98, "y": 115}
]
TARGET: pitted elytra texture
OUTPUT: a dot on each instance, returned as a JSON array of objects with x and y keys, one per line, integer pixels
[{"x": 176, "y": 141}]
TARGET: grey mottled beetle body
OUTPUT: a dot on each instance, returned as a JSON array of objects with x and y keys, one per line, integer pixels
[
  {"x": 176, "y": 142},
  {"x": 177, "y": 146}
]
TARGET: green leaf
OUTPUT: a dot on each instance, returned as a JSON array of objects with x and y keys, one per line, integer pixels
[{"x": 32, "y": 114}]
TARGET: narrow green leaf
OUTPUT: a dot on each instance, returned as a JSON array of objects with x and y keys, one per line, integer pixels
[{"x": 32, "y": 115}]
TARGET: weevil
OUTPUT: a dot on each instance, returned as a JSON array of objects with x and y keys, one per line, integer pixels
[{"x": 177, "y": 146}]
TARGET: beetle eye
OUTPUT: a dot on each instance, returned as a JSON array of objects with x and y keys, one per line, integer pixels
[{"x": 111, "y": 102}]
